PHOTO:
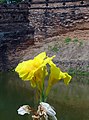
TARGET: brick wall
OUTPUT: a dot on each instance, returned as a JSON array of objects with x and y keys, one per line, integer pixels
[
  {"x": 15, "y": 31},
  {"x": 20, "y": 24},
  {"x": 51, "y": 22}
]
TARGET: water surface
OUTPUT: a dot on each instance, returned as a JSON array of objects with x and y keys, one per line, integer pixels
[{"x": 71, "y": 102}]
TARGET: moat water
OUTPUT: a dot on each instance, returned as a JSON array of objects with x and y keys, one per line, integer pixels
[{"x": 70, "y": 102}]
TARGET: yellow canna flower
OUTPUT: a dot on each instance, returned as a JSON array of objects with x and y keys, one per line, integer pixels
[
  {"x": 26, "y": 69},
  {"x": 55, "y": 75},
  {"x": 34, "y": 70}
]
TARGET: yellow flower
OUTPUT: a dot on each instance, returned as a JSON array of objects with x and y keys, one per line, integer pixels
[
  {"x": 55, "y": 75},
  {"x": 26, "y": 69},
  {"x": 34, "y": 70},
  {"x": 31, "y": 69}
]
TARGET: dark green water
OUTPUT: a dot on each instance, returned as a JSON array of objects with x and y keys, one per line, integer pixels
[{"x": 71, "y": 103}]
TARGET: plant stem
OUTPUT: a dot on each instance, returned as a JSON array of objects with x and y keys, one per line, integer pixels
[{"x": 43, "y": 88}]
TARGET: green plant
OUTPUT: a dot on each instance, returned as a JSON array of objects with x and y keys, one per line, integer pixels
[
  {"x": 53, "y": 48},
  {"x": 67, "y": 40},
  {"x": 75, "y": 40},
  {"x": 2, "y": 1},
  {"x": 79, "y": 75},
  {"x": 80, "y": 43}
]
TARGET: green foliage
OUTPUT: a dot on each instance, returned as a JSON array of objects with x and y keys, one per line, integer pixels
[
  {"x": 78, "y": 72},
  {"x": 53, "y": 48},
  {"x": 80, "y": 43},
  {"x": 75, "y": 40},
  {"x": 79, "y": 75},
  {"x": 2, "y": 1},
  {"x": 11, "y": 1},
  {"x": 67, "y": 40}
]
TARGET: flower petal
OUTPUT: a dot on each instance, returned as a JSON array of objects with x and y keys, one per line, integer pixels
[
  {"x": 67, "y": 78},
  {"x": 41, "y": 56},
  {"x": 54, "y": 117},
  {"x": 24, "y": 109},
  {"x": 48, "y": 108},
  {"x": 32, "y": 69},
  {"x": 55, "y": 75}
]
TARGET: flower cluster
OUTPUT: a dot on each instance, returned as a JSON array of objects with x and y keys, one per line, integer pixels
[
  {"x": 44, "y": 111},
  {"x": 36, "y": 71}
]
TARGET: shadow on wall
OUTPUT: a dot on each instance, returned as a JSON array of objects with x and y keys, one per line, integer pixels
[{"x": 15, "y": 32}]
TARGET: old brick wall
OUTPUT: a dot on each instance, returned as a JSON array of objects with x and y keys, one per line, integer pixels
[
  {"x": 15, "y": 32},
  {"x": 19, "y": 23},
  {"x": 51, "y": 22}
]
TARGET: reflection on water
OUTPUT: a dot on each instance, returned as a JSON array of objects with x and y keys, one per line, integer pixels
[
  {"x": 12, "y": 96},
  {"x": 71, "y": 103}
]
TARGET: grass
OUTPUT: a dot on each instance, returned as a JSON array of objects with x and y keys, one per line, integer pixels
[
  {"x": 67, "y": 40},
  {"x": 54, "y": 48},
  {"x": 75, "y": 40},
  {"x": 57, "y": 46},
  {"x": 79, "y": 75},
  {"x": 80, "y": 43}
]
